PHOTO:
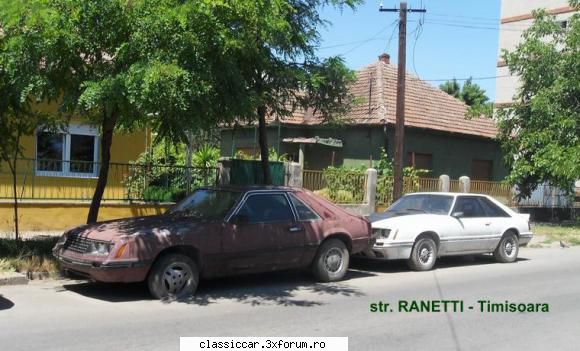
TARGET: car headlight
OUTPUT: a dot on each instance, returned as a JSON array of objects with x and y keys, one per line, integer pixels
[
  {"x": 381, "y": 233},
  {"x": 61, "y": 240},
  {"x": 99, "y": 249}
]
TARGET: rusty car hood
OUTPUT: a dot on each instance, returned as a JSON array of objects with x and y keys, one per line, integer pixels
[{"x": 158, "y": 225}]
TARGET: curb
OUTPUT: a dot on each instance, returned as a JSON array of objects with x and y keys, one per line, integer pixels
[{"x": 13, "y": 278}]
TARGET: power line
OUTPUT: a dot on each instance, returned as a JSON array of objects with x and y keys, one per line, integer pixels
[
  {"x": 463, "y": 79},
  {"x": 474, "y": 27},
  {"x": 363, "y": 41}
]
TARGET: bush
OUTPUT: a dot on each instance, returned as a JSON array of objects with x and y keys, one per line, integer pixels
[{"x": 161, "y": 194}]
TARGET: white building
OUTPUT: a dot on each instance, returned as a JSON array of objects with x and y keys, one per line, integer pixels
[{"x": 516, "y": 16}]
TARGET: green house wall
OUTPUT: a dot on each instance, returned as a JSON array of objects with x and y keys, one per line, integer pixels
[{"x": 452, "y": 154}]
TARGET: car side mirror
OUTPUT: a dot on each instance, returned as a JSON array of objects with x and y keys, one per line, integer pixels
[
  {"x": 240, "y": 219},
  {"x": 458, "y": 214}
]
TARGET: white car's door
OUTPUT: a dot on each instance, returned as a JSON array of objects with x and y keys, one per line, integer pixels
[
  {"x": 475, "y": 227},
  {"x": 500, "y": 220}
]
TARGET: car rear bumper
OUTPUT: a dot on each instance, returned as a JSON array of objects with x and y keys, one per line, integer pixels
[
  {"x": 390, "y": 251},
  {"x": 109, "y": 272},
  {"x": 525, "y": 238}
]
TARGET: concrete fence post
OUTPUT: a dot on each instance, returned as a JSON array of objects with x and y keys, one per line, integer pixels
[
  {"x": 294, "y": 174},
  {"x": 224, "y": 166},
  {"x": 371, "y": 189},
  {"x": 444, "y": 183},
  {"x": 464, "y": 184}
]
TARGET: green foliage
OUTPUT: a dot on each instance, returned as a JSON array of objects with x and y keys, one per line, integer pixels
[
  {"x": 206, "y": 157},
  {"x": 25, "y": 256},
  {"x": 272, "y": 156},
  {"x": 471, "y": 93},
  {"x": 161, "y": 194},
  {"x": 344, "y": 185},
  {"x": 161, "y": 175},
  {"x": 540, "y": 132},
  {"x": 451, "y": 87}
]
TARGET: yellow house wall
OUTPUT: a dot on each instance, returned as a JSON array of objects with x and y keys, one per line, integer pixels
[
  {"x": 125, "y": 147},
  {"x": 37, "y": 216}
]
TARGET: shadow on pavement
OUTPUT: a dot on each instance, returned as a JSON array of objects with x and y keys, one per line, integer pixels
[
  {"x": 5, "y": 304},
  {"x": 279, "y": 288},
  {"x": 382, "y": 266}
]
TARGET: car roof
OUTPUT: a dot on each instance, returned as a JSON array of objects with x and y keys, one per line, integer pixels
[
  {"x": 247, "y": 188},
  {"x": 447, "y": 193}
]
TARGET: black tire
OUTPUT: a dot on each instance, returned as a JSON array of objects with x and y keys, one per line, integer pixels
[
  {"x": 173, "y": 276},
  {"x": 331, "y": 261},
  {"x": 423, "y": 254},
  {"x": 507, "y": 249}
]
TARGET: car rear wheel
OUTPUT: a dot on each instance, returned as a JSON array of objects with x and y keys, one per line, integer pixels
[
  {"x": 331, "y": 261},
  {"x": 173, "y": 276},
  {"x": 423, "y": 255},
  {"x": 507, "y": 250}
]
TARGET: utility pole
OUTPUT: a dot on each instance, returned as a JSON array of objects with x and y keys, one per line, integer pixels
[{"x": 400, "y": 112}]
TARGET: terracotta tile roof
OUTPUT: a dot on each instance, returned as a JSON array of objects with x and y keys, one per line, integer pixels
[{"x": 426, "y": 106}]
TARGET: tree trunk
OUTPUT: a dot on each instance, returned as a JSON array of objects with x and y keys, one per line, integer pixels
[
  {"x": 15, "y": 197},
  {"x": 263, "y": 140},
  {"x": 107, "y": 139},
  {"x": 13, "y": 168}
]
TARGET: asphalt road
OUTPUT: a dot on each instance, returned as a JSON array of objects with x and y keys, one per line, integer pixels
[{"x": 71, "y": 315}]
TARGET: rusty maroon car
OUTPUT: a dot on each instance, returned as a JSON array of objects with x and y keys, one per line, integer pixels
[{"x": 218, "y": 232}]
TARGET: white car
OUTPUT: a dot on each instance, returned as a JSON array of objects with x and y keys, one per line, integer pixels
[{"x": 420, "y": 227}]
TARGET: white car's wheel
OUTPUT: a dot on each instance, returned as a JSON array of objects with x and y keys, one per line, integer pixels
[
  {"x": 423, "y": 255},
  {"x": 507, "y": 249}
]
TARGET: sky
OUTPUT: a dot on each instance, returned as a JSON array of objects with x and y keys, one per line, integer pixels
[{"x": 457, "y": 38}]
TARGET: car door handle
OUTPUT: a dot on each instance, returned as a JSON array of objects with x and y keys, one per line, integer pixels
[
  {"x": 295, "y": 229},
  {"x": 488, "y": 223}
]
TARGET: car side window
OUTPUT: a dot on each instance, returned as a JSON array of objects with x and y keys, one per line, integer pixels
[
  {"x": 470, "y": 207},
  {"x": 492, "y": 209},
  {"x": 303, "y": 211},
  {"x": 266, "y": 208}
]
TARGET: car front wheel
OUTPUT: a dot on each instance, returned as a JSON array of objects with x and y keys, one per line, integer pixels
[
  {"x": 173, "y": 276},
  {"x": 423, "y": 255},
  {"x": 331, "y": 261},
  {"x": 507, "y": 250}
]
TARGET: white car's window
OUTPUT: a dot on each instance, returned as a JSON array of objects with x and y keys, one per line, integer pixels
[
  {"x": 470, "y": 207},
  {"x": 492, "y": 209},
  {"x": 422, "y": 203}
]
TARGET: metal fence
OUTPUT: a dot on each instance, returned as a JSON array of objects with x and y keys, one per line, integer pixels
[
  {"x": 76, "y": 180},
  {"x": 342, "y": 187}
]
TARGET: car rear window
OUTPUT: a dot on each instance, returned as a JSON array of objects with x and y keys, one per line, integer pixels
[{"x": 304, "y": 212}]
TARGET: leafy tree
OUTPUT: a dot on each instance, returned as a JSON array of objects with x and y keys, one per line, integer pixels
[
  {"x": 452, "y": 88},
  {"x": 125, "y": 64},
  {"x": 20, "y": 81},
  {"x": 471, "y": 94},
  {"x": 274, "y": 42},
  {"x": 540, "y": 132}
]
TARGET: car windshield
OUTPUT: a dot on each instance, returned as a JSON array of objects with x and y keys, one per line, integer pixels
[
  {"x": 422, "y": 203},
  {"x": 206, "y": 204}
]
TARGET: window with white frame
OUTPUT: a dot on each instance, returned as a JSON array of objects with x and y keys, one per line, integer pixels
[{"x": 70, "y": 153}]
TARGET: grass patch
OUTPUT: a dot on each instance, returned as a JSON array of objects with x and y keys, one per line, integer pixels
[
  {"x": 569, "y": 233},
  {"x": 26, "y": 256}
]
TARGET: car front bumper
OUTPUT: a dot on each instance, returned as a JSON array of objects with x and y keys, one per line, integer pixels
[
  {"x": 104, "y": 271},
  {"x": 390, "y": 250}
]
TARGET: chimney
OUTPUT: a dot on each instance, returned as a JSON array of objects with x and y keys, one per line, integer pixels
[{"x": 385, "y": 58}]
